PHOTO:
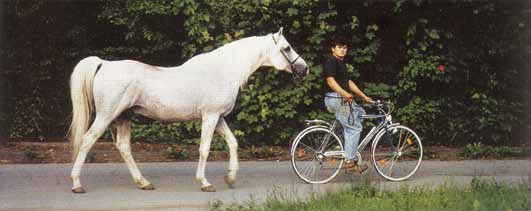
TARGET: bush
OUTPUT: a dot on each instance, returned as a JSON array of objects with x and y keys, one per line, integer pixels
[
  {"x": 176, "y": 153},
  {"x": 30, "y": 154},
  {"x": 478, "y": 150},
  {"x": 261, "y": 152},
  {"x": 453, "y": 77}
]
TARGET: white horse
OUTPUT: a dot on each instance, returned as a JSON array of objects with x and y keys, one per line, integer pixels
[{"x": 206, "y": 87}]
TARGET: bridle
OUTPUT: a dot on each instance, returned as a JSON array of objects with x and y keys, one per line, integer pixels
[{"x": 285, "y": 56}]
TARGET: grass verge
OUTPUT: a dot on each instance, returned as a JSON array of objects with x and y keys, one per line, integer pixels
[{"x": 479, "y": 195}]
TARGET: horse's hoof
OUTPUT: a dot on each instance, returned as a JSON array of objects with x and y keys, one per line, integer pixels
[
  {"x": 148, "y": 187},
  {"x": 209, "y": 188},
  {"x": 78, "y": 190},
  {"x": 229, "y": 182}
]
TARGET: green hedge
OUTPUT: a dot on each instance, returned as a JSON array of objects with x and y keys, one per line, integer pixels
[{"x": 455, "y": 70}]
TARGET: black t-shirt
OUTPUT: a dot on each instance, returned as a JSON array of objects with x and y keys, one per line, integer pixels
[{"x": 335, "y": 68}]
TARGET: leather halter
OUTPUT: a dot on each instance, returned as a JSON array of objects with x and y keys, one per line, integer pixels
[{"x": 285, "y": 56}]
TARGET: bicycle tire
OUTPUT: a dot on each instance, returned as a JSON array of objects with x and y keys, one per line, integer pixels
[
  {"x": 390, "y": 146},
  {"x": 308, "y": 155}
]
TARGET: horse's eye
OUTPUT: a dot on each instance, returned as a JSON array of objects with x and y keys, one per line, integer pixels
[{"x": 287, "y": 49}]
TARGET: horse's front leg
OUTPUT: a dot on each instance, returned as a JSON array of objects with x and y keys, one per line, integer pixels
[
  {"x": 224, "y": 130},
  {"x": 207, "y": 130}
]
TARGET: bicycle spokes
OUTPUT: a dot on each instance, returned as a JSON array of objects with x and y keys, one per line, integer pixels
[
  {"x": 387, "y": 166},
  {"x": 409, "y": 141},
  {"x": 388, "y": 139},
  {"x": 383, "y": 162},
  {"x": 317, "y": 156},
  {"x": 301, "y": 153},
  {"x": 317, "y": 153},
  {"x": 333, "y": 162},
  {"x": 397, "y": 154}
]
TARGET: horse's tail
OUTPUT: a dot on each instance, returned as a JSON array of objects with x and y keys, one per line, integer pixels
[{"x": 81, "y": 82}]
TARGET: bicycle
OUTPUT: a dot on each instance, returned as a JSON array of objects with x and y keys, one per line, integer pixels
[{"x": 317, "y": 153}]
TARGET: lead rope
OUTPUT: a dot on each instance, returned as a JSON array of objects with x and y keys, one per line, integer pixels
[
  {"x": 351, "y": 114},
  {"x": 351, "y": 120}
]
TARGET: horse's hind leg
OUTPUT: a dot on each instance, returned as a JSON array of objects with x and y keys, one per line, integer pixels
[
  {"x": 91, "y": 136},
  {"x": 107, "y": 110},
  {"x": 224, "y": 130},
  {"x": 123, "y": 144}
]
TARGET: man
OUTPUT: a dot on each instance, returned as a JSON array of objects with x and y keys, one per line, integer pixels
[{"x": 339, "y": 100}]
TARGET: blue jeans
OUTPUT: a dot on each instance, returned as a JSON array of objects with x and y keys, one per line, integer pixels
[{"x": 351, "y": 127}]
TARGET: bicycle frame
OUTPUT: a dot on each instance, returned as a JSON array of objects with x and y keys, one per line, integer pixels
[
  {"x": 385, "y": 123},
  {"x": 327, "y": 151}
]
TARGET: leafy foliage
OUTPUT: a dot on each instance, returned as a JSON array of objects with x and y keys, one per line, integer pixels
[
  {"x": 478, "y": 150},
  {"x": 176, "y": 153},
  {"x": 453, "y": 76},
  {"x": 30, "y": 154},
  {"x": 261, "y": 152}
]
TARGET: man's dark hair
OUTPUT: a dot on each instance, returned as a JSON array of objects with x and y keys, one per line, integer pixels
[{"x": 338, "y": 40}]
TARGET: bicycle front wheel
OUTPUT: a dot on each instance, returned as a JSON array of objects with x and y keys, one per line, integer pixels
[
  {"x": 397, "y": 153},
  {"x": 317, "y": 155}
]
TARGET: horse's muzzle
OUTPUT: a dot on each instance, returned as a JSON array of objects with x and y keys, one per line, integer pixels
[{"x": 301, "y": 70}]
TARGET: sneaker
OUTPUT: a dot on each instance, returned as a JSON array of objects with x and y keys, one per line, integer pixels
[{"x": 353, "y": 166}]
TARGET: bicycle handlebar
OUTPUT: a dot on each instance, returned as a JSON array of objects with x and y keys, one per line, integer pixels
[{"x": 385, "y": 107}]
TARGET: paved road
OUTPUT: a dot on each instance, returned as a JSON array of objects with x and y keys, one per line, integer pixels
[{"x": 109, "y": 186}]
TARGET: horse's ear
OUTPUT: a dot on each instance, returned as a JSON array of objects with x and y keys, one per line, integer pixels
[{"x": 280, "y": 31}]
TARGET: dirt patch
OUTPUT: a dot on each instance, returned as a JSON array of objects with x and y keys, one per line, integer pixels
[{"x": 106, "y": 152}]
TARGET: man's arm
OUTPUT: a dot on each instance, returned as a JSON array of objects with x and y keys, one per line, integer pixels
[
  {"x": 332, "y": 83},
  {"x": 358, "y": 91}
]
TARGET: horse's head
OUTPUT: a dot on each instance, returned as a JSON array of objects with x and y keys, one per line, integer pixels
[{"x": 283, "y": 57}]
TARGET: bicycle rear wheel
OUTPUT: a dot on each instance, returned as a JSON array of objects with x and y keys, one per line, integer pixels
[
  {"x": 397, "y": 153},
  {"x": 317, "y": 155}
]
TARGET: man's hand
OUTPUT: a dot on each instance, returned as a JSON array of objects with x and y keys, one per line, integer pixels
[
  {"x": 367, "y": 99},
  {"x": 348, "y": 97}
]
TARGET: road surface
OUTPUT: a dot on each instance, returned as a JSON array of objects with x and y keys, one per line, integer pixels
[{"x": 110, "y": 187}]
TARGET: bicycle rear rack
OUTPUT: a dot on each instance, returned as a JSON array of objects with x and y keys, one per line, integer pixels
[{"x": 318, "y": 122}]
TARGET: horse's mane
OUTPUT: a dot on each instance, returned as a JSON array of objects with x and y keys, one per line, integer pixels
[
  {"x": 221, "y": 54},
  {"x": 215, "y": 52},
  {"x": 235, "y": 43},
  {"x": 244, "y": 42}
]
